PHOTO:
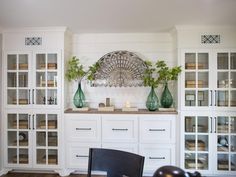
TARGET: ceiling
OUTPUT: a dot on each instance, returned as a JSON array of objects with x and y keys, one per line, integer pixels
[{"x": 116, "y": 16}]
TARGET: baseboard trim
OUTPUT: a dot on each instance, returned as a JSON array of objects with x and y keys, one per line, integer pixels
[{"x": 4, "y": 171}]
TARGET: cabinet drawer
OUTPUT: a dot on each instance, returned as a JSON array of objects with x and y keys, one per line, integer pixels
[
  {"x": 157, "y": 156},
  {"x": 156, "y": 129},
  {"x": 77, "y": 155},
  {"x": 128, "y": 147},
  {"x": 119, "y": 128},
  {"x": 83, "y": 127}
]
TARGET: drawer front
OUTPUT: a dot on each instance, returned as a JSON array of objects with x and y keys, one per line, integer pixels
[
  {"x": 77, "y": 155},
  {"x": 117, "y": 128},
  {"x": 83, "y": 128},
  {"x": 158, "y": 129},
  {"x": 128, "y": 147},
  {"x": 157, "y": 156}
]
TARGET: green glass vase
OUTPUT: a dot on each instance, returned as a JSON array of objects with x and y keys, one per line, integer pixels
[
  {"x": 152, "y": 101},
  {"x": 166, "y": 97},
  {"x": 79, "y": 98}
]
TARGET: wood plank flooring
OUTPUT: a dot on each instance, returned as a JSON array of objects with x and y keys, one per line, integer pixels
[{"x": 12, "y": 174}]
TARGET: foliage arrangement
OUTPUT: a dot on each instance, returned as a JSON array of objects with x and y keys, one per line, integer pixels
[
  {"x": 75, "y": 70},
  {"x": 165, "y": 73},
  {"x": 159, "y": 73}
]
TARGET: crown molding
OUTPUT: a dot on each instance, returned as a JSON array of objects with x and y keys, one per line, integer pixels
[{"x": 35, "y": 29}]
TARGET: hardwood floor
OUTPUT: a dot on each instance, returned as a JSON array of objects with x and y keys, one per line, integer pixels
[{"x": 39, "y": 175}]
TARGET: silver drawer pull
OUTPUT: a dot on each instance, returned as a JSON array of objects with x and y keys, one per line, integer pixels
[
  {"x": 157, "y": 130},
  {"x": 120, "y": 129},
  {"x": 81, "y": 156},
  {"x": 157, "y": 158},
  {"x": 83, "y": 128}
]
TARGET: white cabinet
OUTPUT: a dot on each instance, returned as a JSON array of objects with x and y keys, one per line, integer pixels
[
  {"x": 117, "y": 128},
  {"x": 209, "y": 142},
  {"x": 32, "y": 139},
  {"x": 33, "y": 80},
  {"x": 208, "y": 79},
  {"x": 152, "y": 136}
]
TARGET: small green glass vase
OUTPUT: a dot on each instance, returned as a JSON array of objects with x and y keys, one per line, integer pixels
[
  {"x": 166, "y": 97},
  {"x": 152, "y": 100},
  {"x": 79, "y": 98}
]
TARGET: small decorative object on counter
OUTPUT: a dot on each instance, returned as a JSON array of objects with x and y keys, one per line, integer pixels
[{"x": 79, "y": 98}]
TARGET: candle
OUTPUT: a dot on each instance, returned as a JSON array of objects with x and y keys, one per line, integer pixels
[{"x": 127, "y": 104}]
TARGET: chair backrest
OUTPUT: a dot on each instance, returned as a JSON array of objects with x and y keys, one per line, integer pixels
[{"x": 116, "y": 163}]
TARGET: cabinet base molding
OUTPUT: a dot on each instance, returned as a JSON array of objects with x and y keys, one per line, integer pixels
[
  {"x": 4, "y": 171},
  {"x": 64, "y": 172}
]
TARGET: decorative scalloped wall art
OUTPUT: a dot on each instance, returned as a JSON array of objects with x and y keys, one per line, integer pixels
[{"x": 120, "y": 69}]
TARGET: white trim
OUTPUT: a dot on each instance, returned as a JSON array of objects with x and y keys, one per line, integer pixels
[
  {"x": 35, "y": 29},
  {"x": 200, "y": 27}
]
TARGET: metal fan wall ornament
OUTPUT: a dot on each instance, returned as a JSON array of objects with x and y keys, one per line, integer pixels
[{"x": 120, "y": 69}]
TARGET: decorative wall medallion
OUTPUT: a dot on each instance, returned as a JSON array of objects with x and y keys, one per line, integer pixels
[
  {"x": 33, "y": 41},
  {"x": 120, "y": 69},
  {"x": 210, "y": 39}
]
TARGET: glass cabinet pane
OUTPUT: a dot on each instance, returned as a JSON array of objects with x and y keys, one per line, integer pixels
[
  {"x": 11, "y": 62},
  {"x": 41, "y": 156},
  {"x": 23, "y": 62},
  {"x": 23, "y": 79},
  {"x": 52, "y": 121},
  {"x": 52, "y": 138},
  {"x": 190, "y": 160},
  {"x": 202, "y": 80},
  {"x": 203, "y": 125},
  {"x": 40, "y": 61},
  {"x": 233, "y": 125},
  {"x": 222, "y": 61},
  {"x": 190, "y": 98},
  {"x": 202, "y": 161},
  {"x": 23, "y": 96},
  {"x": 52, "y": 157},
  {"x": 222, "y": 98},
  {"x": 41, "y": 138},
  {"x": 232, "y": 80},
  {"x": 233, "y": 61},
  {"x": 12, "y": 138},
  {"x": 203, "y": 98},
  {"x": 202, "y": 144},
  {"x": 12, "y": 155},
  {"x": 52, "y": 79},
  {"x": 203, "y": 61},
  {"x": 222, "y": 124},
  {"x": 223, "y": 80},
  {"x": 23, "y": 121},
  {"x": 223, "y": 143},
  {"x": 233, "y": 143},
  {"x": 190, "y": 80},
  {"x": 233, "y": 98},
  {"x": 40, "y": 96},
  {"x": 12, "y": 121},
  {"x": 11, "y": 99},
  {"x": 223, "y": 162},
  {"x": 190, "y": 142},
  {"x": 23, "y": 156},
  {"x": 40, "y": 79},
  {"x": 233, "y": 162},
  {"x": 11, "y": 79},
  {"x": 41, "y": 121},
  {"x": 189, "y": 122},
  {"x": 23, "y": 137},
  {"x": 52, "y": 61},
  {"x": 190, "y": 61}
]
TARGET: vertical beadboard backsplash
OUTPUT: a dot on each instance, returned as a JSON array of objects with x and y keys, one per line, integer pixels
[{"x": 149, "y": 46}]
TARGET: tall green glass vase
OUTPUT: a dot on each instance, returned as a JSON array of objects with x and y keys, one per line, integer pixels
[
  {"x": 152, "y": 100},
  {"x": 79, "y": 98},
  {"x": 166, "y": 97}
]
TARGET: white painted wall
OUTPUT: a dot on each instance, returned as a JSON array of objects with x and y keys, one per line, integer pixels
[
  {"x": 91, "y": 47},
  {"x": 1, "y": 150}
]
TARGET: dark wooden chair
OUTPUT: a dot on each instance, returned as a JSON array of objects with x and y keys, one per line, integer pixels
[{"x": 115, "y": 163}]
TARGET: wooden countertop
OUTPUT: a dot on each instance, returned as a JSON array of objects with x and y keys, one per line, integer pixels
[{"x": 119, "y": 111}]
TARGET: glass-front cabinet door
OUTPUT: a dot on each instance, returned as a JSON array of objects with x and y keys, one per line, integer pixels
[
  {"x": 196, "y": 79},
  {"x": 226, "y": 143},
  {"x": 18, "y": 139},
  {"x": 225, "y": 93},
  {"x": 46, "y": 128},
  {"x": 196, "y": 142},
  {"x": 17, "y": 79},
  {"x": 46, "y": 79}
]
